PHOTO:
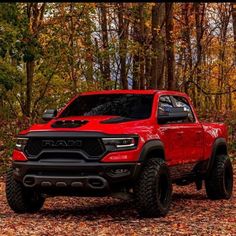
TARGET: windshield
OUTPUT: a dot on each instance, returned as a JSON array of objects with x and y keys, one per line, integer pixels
[{"x": 134, "y": 106}]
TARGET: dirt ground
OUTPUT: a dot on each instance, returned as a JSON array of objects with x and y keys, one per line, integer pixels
[{"x": 191, "y": 214}]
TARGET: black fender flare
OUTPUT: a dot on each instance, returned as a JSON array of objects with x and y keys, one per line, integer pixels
[
  {"x": 219, "y": 142},
  {"x": 149, "y": 146}
]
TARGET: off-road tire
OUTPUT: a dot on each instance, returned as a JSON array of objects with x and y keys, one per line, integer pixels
[
  {"x": 219, "y": 183},
  {"x": 21, "y": 199},
  {"x": 153, "y": 189}
]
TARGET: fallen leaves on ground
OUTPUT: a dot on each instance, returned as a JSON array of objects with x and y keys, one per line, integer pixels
[{"x": 191, "y": 214}]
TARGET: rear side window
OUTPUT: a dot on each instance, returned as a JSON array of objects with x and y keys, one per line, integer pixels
[
  {"x": 182, "y": 102},
  {"x": 166, "y": 103}
]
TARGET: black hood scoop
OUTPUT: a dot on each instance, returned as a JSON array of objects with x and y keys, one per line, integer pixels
[{"x": 68, "y": 123}]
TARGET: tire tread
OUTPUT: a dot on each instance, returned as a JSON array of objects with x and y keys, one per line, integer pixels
[
  {"x": 19, "y": 199},
  {"x": 214, "y": 183},
  {"x": 145, "y": 190}
]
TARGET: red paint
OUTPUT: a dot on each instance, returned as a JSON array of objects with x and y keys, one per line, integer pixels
[
  {"x": 125, "y": 156},
  {"x": 18, "y": 156},
  {"x": 183, "y": 142}
]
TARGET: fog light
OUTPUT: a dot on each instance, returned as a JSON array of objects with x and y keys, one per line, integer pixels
[{"x": 119, "y": 172}]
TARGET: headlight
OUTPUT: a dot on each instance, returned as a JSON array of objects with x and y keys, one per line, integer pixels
[
  {"x": 21, "y": 143},
  {"x": 112, "y": 144}
]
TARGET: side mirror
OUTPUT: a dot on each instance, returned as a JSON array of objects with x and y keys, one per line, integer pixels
[
  {"x": 171, "y": 114},
  {"x": 49, "y": 114}
]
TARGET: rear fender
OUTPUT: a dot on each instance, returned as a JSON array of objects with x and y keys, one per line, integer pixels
[{"x": 219, "y": 147}]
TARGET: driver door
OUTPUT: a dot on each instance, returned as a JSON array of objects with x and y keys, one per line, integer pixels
[{"x": 172, "y": 134}]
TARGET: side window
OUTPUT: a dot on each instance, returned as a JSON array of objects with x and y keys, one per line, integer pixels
[
  {"x": 182, "y": 102},
  {"x": 164, "y": 103}
]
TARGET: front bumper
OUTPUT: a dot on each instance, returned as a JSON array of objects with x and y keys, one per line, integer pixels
[{"x": 84, "y": 177}]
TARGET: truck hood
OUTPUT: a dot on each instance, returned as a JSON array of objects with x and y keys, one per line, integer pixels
[{"x": 103, "y": 124}]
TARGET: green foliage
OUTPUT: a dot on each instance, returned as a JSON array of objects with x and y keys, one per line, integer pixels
[
  {"x": 9, "y": 76},
  {"x": 30, "y": 48},
  {"x": 9, "y": 29},
  {"x": 8, "y": 132},
  {"x": 9, "y": 13}
]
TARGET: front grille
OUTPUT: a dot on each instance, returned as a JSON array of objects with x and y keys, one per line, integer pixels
[{"x": 91, "y": 146}]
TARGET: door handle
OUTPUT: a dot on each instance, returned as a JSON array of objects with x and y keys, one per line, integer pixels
[{"x": 180, "y": 132}]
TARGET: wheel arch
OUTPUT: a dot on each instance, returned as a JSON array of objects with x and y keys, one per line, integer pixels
[
  {"x": 151, "y": 149},
  {"x": 219, "y": 148}
]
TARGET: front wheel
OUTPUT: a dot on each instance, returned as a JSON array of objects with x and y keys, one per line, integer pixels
[
  {"x": 21, "y": 199},
  {"x": 219, "y": 183},
  {"x": 153, "y": 189}
]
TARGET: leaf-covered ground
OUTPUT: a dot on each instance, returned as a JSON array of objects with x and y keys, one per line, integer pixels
[{"x": 191, "y": 214}]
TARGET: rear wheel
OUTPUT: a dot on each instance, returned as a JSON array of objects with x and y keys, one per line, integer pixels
[
  {"x": 219, "y": 183},
  {"x": 21, "y": 199},
  {"x": 153, "y": 189}
]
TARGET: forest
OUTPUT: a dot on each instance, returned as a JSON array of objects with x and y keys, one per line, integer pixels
[{"x": 50, "y": 52}]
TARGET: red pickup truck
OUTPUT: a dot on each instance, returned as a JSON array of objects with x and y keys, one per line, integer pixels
[{"x": 134, "y": 142}]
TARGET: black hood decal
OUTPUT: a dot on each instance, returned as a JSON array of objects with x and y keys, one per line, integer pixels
[{"x": 68, "y": 123}]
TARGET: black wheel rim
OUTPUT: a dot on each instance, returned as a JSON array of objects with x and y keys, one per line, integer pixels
[
  {"x": 163, "y": 190},
  {"x": 228, "y": 179}
]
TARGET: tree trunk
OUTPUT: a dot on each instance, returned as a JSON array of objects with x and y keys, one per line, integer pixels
[
  {"x": 123, "y": 37},
  {"x": 157, "y": 61},
  {"x": 142, "y": 43},
  {"x": 187, "y": 41},
  {"x": 29, "y": 85},
  {"x": 171, "y": 83},
  {"x": 199, "y": 20},
  {"x": 72, "y": 49},
  {"x": 35, "y": 13},
  {"x": 223, "y": 39},
  {"x": 106, "y": 68},
  {"x": 147, "y": 66},
  {"x": 89, "y": 59},
  {"x": 136, "y": 80},
  {"x": 233, "y": 7},
  {"x": 147, "y": 55},
  {"x": 140, "y": 39},
  {"x": 136, "y": 52}
]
